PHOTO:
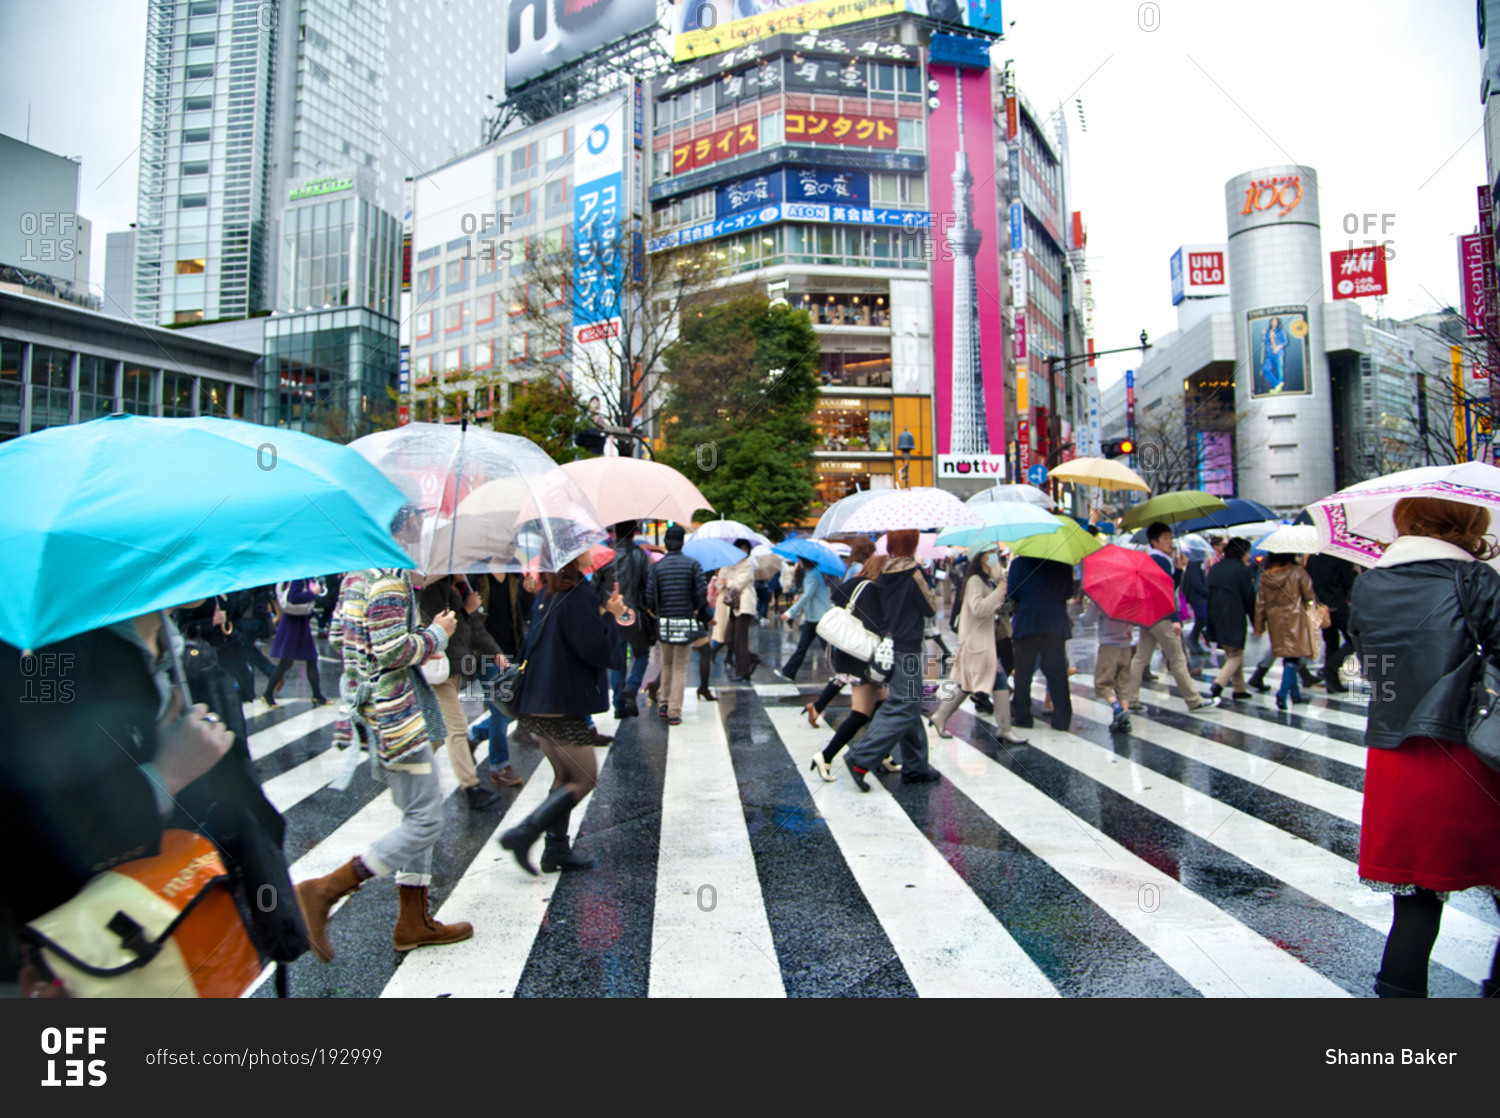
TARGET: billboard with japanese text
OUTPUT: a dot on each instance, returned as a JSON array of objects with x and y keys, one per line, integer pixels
[
  {"x": 703, "y": 27},
  {"x": 599, "y": 208},
  {"x": 1358, "y": 272}
]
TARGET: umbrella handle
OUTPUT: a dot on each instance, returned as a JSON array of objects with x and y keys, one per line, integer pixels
[{"x": 179, "y": 677}]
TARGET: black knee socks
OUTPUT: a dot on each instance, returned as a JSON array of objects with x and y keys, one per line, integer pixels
[
  {"x": 820, "y": 704},
  {"x": 1409, "y": 947},
  {"x": 705, "y": 665},
  {"x": 841, "y": 737}
]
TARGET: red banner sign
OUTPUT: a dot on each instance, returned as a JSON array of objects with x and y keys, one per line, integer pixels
[
  {"x": 840, "y": 128},
  {"x": 1023, "y": 441},
  {"x": 1358, "y": 272},
  {"x": 723, "y": 144},
  {"x": 1012, "y": 121}
]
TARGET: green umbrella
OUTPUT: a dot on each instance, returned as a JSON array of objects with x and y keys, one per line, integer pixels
[
  {"x": 1184, "y": 504},
  {"x": 1069, "y": 544}
]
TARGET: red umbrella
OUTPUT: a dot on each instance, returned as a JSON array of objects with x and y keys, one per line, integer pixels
[{"x": 1128, "y": 585}]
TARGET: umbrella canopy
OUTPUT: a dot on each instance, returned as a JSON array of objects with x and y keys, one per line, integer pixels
[
  {"x": 1103, "y": 473},
  {"x": 1236, "y": 510},
  {"x": 1196, "y": 547},
  {"x": 1356, "y": 523},
  {"x": 479, "y": 494},
  {"x": 1290, "y": 539},
  {"x": 1028, "y": 494},
  {"x": 636, "y": 489},
  {"x": 763, "y": 561},
  {"x": 1004, "y": 522},
  {"x": 919, "y": 509},
  {"x": 1068, "y": 544},
  {"x": 712, "y": 554},
  {"x": 831, "y": 523},
  {"x": 1128, "y": 585},
  {"x": 819, "y": 554},
  {"x": 1182, "y": 504},
  {"x": 118, "y": 517},
  {"x": 729, "y": 530},
  {"x": 928, "y": 549},
  {"x": 1254, "y": 531}
]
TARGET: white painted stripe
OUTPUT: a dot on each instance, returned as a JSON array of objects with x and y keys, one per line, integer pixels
[
  {"x": 964, "y": 953},
  {"x": 709, "y": 933},
  {"x": 272, "y": 738},
  {"x": 1272, "y": 775},
  {"x": 505, "y": 904},
  {"x": 1216, "y": 953},
  {"x": 1464, "y": 944},
  {"x": 1311, "y": 741}
]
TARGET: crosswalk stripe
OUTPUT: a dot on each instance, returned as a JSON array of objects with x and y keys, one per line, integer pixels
[
  {"x": 1220, "y": 956},
  {"x": 709, "y": 933},
  {"x": 1464, "y": 945},
  {"x": 968, "y": 953},
  {"x": 1330, "y": 798},
  {"x": 272, "y": 738}
]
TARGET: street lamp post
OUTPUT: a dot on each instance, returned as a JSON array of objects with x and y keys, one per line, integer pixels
[{"x": 1054, "y": 421}]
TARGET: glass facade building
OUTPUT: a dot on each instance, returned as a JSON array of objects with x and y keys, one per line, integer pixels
[{"x": 329, "y": 373}]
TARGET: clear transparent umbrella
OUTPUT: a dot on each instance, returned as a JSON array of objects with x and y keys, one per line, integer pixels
[
  {"x": 831, "y": 523},
  {"x": 485, "y": 501},
  {"x": 1029, "y": 494}
]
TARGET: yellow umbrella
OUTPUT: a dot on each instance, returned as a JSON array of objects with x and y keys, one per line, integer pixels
[{"x": 1105, "y": 473}]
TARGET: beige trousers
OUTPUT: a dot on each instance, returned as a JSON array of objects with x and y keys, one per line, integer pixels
[
  {"x": 1233, "y": 669},
  {"x": 1171, "y": 646},
  {"x": 458, "y": 732},
  {"x": 1112, "y": 674},
  {"x": 675, "y": 659}
]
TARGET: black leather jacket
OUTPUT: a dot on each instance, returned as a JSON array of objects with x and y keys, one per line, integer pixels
[
  {"x": 1413, "y": 647},
  {"x": 677, "y": 587}
]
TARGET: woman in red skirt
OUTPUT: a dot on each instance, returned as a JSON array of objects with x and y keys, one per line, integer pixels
[{"x": 1432, "y": 808}]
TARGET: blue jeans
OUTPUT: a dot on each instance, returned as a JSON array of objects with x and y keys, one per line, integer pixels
[
  {"x": 1289, "y": 687},
  {"x": 620, "y": 682},
  {"x": 499, "y": 724}
]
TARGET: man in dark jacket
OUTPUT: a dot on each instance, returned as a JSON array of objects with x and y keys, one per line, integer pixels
[
  {"x": 1333, "y": 583},
  {"x": 1231, "y": 604},
  {"x": 677, "y": 594},
  {"x": 1040, "y": 589},
  {"x": 629, "y": 572}
]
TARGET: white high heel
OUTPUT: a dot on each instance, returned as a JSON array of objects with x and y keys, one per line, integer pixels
[{"x": 822, "y": 768}]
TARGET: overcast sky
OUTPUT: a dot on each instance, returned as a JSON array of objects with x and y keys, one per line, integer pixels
[{"x": 1379, "y": 97}]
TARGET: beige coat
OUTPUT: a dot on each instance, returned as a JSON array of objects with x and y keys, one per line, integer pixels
[
  {"x": 975, "y": 661},
  {"x": 742, "y": 577},
  {"x": 1280, "y": 609}
]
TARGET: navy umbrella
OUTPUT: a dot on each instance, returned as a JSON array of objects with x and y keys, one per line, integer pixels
[{"x": 1238, "y": 510}]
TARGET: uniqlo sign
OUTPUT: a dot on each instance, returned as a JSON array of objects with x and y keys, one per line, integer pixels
[{"x": 1358, "y": 272}]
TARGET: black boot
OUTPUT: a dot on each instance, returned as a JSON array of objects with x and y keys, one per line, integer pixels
[
  {"x": 705, "y": 667},
  {"x": 1305, "y": 674},
  {"x": 557, "y": 854},
  {"x": 1258, "y": 680},
  {"x": 519, "y": 838},
  {"x": 627, "y": 707},
  {"x": 1385, "y": 990}
]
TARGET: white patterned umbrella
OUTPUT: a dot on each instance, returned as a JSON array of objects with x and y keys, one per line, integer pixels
[
  {"x": 1030, "y": 494},
  {"x": 730, "y": 530},
  {"x": 1358, "y": 522},
  {"x": 831, "y": 523},
  {"x": 920, "y": 509},
  {"x": 1291, "y": 539}
]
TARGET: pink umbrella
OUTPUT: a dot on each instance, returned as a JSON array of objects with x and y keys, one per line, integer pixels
[
  {"x": 636, "y": 489},
  {"x": 928, "y": 548}
]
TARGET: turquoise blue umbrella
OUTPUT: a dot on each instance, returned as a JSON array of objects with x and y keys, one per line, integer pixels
[
  {"x": 712, "y": 554},
  {"x": 1004, "y": 522},
  {"x": 118, "y": 517},
  {"x": 820, "y": 554}
]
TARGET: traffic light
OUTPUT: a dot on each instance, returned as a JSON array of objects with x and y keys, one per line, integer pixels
[{"x": 1113, "y": 448}]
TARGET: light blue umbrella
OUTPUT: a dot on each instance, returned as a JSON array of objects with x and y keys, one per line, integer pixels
[
  {"x": 820, "y": 554},
  {"x": 712, "y": 554},
  {"x": 1004, "y": 522},
  {"x": 115, "y": 518}
]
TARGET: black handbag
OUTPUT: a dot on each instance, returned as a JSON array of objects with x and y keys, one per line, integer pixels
[{"x": 1483, "y": 720}]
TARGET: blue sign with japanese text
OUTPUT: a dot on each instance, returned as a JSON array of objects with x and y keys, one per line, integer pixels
[
  {"x": 793, "y": 211},
  {"x": 793, "y": 184},
  {"x": 1015, "y": 227}
]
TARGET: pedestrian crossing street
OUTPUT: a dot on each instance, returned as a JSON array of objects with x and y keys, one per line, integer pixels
[{"x": 1208, "y": 855}]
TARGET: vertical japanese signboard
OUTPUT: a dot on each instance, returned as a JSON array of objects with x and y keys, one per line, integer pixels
[{"x": 598, "y": 214}]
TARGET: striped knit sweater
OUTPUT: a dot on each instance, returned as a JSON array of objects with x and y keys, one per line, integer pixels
[{"x": 375, "y": 629}]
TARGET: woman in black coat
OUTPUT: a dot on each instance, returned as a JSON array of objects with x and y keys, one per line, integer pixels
[
  {"x": 566, "y": 656},
  {"x": 1231, "y": 604},
  {"x": 867, "y": 693}
]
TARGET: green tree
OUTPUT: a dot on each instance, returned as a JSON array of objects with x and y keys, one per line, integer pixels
[
  {"x": 549, "y": 414},
  {"x": 744, "y": 381}
]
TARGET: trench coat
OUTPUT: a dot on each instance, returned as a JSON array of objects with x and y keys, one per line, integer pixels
[
  {"x": 978, "y": 628},
  {"x": 1280, "y": 609}
]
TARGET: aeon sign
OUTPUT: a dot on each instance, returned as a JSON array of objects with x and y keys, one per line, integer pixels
[{"x": 1280, "y": 195}]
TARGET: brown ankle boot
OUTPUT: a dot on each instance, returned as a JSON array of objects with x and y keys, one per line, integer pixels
[
  {"x": 317, "y": 897},
  {"x": 417, "y": 928}
]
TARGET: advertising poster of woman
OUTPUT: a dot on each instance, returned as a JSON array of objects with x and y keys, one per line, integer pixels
[{"x": 1278, "y": 351}]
